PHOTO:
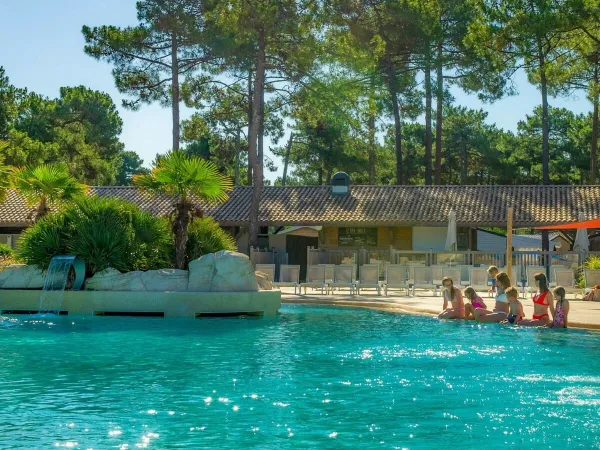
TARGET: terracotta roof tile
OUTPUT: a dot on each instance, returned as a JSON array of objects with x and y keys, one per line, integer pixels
[{"x": 373, "y": 205}]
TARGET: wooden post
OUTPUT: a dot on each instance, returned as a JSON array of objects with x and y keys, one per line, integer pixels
[{"x": 509, "y": 228}]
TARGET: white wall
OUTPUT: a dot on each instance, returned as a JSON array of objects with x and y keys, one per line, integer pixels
[{"x": 426, "y": 238}]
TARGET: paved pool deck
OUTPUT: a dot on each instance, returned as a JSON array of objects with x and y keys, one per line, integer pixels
[{"x": 582, "y": 314}]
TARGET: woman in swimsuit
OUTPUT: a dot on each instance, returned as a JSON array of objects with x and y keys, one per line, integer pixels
[
  {"x": 475, "y": 302},
  {"x": 561, "y": 311},
  {"x": 542, "y": 302},
  {"x": 500, "y": 311},
  {"x": 453, "y": 296}
]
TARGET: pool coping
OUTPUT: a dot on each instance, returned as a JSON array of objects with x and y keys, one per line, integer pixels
[{"x": 395, "y": 307}]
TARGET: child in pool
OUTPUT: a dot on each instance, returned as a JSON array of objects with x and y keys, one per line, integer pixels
[
  {"x": 492, "y": 272},
  {"x": 475, "y": 302},
  {"x": 561, "y": 310},
  {"x": 515, "y": 312}
]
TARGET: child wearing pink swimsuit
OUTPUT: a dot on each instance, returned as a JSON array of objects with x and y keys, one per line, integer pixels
[
  {"x": 561, "y": 310},
  {"x": 475, "y": 302}
]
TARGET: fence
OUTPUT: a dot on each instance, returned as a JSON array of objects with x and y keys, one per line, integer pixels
[{"x": 264, "y": 256}]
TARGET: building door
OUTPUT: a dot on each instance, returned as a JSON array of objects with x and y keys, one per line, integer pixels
[{"x": 296, "y": 247}]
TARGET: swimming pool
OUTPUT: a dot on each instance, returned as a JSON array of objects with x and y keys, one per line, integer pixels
[{"x": 314, "y": 377}]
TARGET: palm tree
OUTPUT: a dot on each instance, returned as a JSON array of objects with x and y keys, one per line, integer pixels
[
  {"x": 187, "y": 179},
  {"x": 45, "y": 186},
  {"x": 4, "y": 182}
]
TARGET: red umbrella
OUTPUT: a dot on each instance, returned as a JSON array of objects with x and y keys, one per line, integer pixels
[{"x": 573, "y": 226}]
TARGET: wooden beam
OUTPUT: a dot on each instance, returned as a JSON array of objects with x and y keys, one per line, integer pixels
[{"x": 509, "y": 229}]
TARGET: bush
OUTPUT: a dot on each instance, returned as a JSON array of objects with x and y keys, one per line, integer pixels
[
  {"x": 6, "y": 252},
  {"x": 206, "y": 236},
  {"x": 105, "y": 232}
]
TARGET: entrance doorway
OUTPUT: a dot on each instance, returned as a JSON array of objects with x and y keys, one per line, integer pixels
[{"x": 296, "y": 247}]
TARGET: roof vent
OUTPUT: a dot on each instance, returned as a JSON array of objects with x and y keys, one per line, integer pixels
[{"x": 340, "y": 184}]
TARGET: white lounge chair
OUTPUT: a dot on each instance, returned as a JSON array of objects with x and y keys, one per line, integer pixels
[
  {"x": 267, "y": 269},
  {"x": 592, "y": 278},
  {"x": 315, "y": 278},
  {"x": 396, "y": 277},
  {"x": 368, "y": 278},
  {"x": 329, "y": 269},
  {"x": 464, "y": 274},
  {"x": 437, "y": 274},
  {"x": 289, "y": 276},
  {"x": 344, "y": 276},
  {"x": 423, "y": 279},
  {"x": 479, "y": 279},
  {"x": 454, "y": 273},
  {"x": 566, "y": 279}
]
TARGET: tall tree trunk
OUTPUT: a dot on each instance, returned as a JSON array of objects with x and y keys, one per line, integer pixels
[
  {"x": 257, "y": 163},
  {"x": 329, "y": 174},
  {"x": 175, "y": 91},
  {"x": 42, "y": 209},
  {"x": 180, "y": 231},
  {"x": 439, "y": 116},
  {"x": 250, "y": 100},
  {"x": 238, "y": 149},
  {"x": 464, "y": 164},
  {"x": 397, "y": 121},
  {"x": 594, "y": 149},
  {"x": 545, "y": 142},
  {"x": 320, "y": 176},
  {"x": 286, "y": 160},
  {"x": 371, "y": 149},
  {"x": 428, "y": 179}
]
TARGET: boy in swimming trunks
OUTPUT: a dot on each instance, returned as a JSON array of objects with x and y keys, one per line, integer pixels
[{"x": 515, "y": 312}]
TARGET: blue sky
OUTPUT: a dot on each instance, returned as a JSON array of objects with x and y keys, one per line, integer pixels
[{"x": 42, "y": 49}]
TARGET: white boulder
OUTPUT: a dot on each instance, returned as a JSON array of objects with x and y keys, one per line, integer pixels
[
  {"x": 224, "y": 271},
  {"x": 162, "y": 280},
  {"x": 21, "y": 276}
]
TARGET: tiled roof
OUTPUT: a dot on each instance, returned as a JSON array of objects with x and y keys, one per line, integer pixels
[{"x": 376, "y": 205}]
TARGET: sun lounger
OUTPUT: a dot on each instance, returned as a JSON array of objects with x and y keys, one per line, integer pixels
[
  {"x": 344, "y": 276},
  {"x": 368, "y": 278},
  {"x": 454, "y": 273},
  {"x": 592, "y": 278},
  {"x": 329, "y": 269},
  {"x": 423, "y": 279},
  {"x": 267, "y": 269},
  {"x": 479, "y": 279},
  {"x": 566, "y": 279},
  {"x": 315, "y": 278},
  {"x": 289, "y": 276},
  {"x": 395, "y": 277}
]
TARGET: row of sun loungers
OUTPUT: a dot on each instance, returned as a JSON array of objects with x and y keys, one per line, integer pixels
[{"x": 328, "y": 277}]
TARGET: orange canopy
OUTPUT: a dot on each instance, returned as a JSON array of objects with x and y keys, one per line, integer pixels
[{"x": 573, "y": 226}]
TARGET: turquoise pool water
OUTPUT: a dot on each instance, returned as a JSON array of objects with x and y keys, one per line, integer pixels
[{"x": 315, "y": 377}]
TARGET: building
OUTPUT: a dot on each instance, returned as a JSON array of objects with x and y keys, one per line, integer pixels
[{"x": 343, "y": 216}]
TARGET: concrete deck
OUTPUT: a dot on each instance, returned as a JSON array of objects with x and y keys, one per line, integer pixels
[{"x": 582, "y": 314}]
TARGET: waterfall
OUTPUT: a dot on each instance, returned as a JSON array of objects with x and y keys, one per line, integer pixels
[{"x": 55, "y": 282}]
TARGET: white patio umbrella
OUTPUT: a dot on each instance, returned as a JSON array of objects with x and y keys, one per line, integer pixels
[
  {"x": 451, "y": 235},
  {"x": 582, "y": 243}
]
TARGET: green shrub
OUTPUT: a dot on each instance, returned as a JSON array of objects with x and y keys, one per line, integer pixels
[
  {"x": 105, "y": 232},
  {"x": 6, "y": 252},
  {"x": 206, "y": 236}
]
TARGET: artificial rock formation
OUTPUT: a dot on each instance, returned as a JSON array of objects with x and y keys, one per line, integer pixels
[
  {"x": 264, "y": 284},
  {"x": 21, "y": 276},
  {"x": 223, "y": 271},
  {"x": 162, "y": 280}
]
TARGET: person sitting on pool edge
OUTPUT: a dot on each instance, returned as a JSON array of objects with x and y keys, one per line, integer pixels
[
  {"x": 500, "y": 311},
  {"x": 475, "y": 301},
  {"x": 515, "y": 312},
  {"x": 561, "y": 311},
  {"x": 454, "y": 296},
  {"x": 542, "y": 303}
]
